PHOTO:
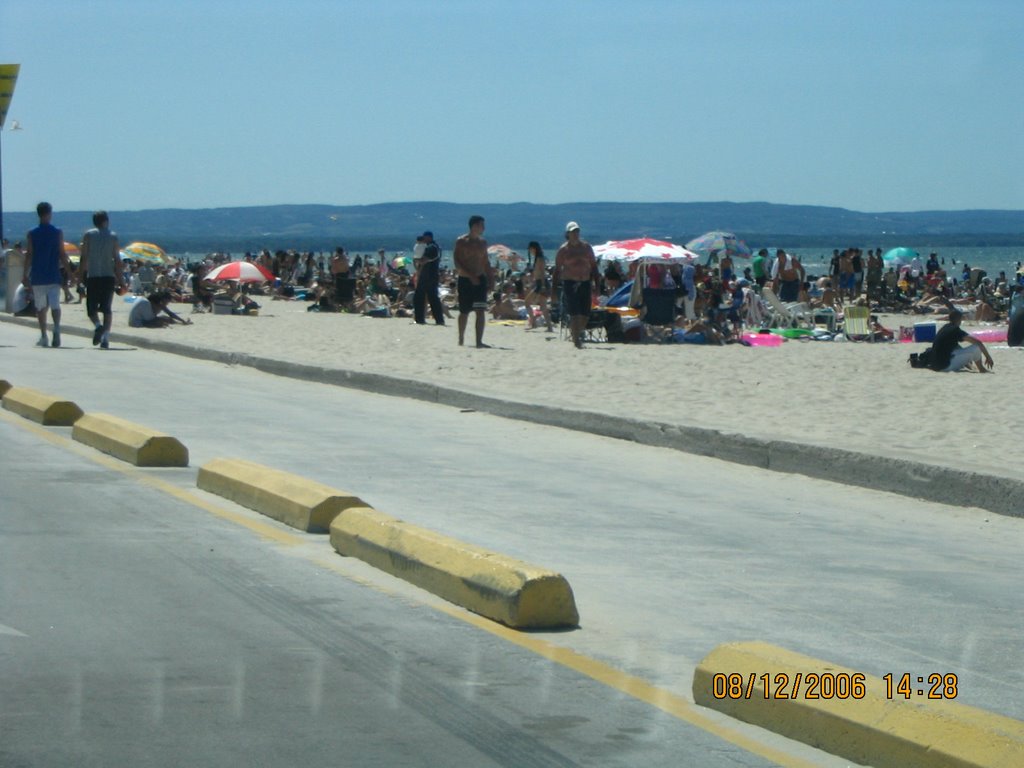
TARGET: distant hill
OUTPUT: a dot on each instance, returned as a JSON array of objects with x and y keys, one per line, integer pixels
[{"x": 394, "y": 225}]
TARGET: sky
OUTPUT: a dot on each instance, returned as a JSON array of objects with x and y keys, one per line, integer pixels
[{"x": 872, "y": 106}]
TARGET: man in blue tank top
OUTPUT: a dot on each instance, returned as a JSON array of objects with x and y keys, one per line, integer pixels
[{"x": 43, "y": 261}]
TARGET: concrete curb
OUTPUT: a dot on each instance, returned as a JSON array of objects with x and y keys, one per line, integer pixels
[
  {"x": 133, "y": 443},
  {"x": 501, "y": 588},
  {"x": 44, "y": 409},
  {"x": 915, "y": 479},
  {"x": 293, "y": 500},
  {"x": 871, "y": 730}
]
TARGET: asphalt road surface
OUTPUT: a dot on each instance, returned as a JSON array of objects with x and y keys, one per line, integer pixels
[{"x": 143, "y": 622}]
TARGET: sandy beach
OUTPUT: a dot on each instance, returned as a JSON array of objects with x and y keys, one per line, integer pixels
[{"x": 861, "y": 397}]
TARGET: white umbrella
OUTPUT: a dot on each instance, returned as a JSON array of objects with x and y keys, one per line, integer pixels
[{"x": 646, "y": 250}]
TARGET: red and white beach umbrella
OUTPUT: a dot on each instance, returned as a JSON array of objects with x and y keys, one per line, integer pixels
[
  {"x": 242, "y": 271},
  {"x": 644, "y": 249}
]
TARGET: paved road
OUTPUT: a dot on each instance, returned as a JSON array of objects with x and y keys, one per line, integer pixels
[{"x": 169, "y": 620}]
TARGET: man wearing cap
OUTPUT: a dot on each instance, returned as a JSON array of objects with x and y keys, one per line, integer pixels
[
  {"x": 44, "y": 259},
  {"x": 474, "y": 274},
  {"x": 575, "y": 272},
  {"x": 427, "y": 277},
  {"x": 948, "y": 355}
]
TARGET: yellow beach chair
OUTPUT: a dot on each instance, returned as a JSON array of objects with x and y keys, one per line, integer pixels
[{"x": 857, "y": 324}]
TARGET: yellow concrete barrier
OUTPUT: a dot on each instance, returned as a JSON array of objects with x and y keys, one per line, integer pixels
[
  {"x": 498, "y": 587},
  {"x": 293, "y": 500},
  {"x": 862, "y": 720},
  {"x": 46, "y": 409},
  {"x": 138, "y": 445},
  {"x": 4, "y": 386}
]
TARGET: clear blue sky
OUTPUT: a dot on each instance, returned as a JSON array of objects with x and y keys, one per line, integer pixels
[{"x": 877, "y": 106}]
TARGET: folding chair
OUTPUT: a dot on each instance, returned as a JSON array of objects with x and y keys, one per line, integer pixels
[
  {"x": 857, "y": 324},
  {"x": 659, "y": 308}
]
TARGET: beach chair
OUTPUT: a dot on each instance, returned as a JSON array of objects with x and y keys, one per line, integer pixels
[
  {"x": 857, "y": 324},
  {"x": 754, "y": 313},
  {"x": 659, "y": 309},
  {"x": 795, "y": 315},
  {"x": 597, "y": 320}
]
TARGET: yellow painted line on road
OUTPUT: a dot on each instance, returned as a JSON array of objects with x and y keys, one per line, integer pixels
[
  {"x": 637, "y": 687},
  {"x": 599, "y": 671},
  {"x": 256, "y": 526}
]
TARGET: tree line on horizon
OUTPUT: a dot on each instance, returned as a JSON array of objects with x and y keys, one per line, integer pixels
[{"x": 394, "y": 226}]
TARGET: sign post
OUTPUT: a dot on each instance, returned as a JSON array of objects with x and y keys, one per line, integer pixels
[{"x": 8, "y": 77}]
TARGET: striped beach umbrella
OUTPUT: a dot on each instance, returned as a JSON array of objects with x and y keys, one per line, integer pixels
[
  {"x": 242, "y": 271},
  {"x": 145, "y": 252},
  {"x": 725, "y": 243}
]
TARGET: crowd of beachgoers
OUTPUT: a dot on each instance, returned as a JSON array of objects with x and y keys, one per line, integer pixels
[
  {"x": 716, "y": 300},
  {"x": 728, "y": 294}
]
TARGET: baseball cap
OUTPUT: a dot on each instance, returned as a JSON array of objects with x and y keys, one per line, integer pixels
[
  {"x": 429, "y": 234},
  {"x": 572, "y": 226}
]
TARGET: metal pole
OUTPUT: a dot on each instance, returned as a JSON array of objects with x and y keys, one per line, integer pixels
[{"x": 1, "y": 187}]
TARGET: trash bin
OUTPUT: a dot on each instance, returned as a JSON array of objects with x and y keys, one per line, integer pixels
[{"x": 10, "y": 276}]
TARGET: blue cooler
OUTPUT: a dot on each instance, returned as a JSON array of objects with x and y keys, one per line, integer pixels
[{"x": 924, "y": 331}]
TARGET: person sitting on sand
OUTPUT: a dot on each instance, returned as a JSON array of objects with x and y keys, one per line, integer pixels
[
  {"x": 699, "y": 332},
  {"x": 879, "y": 332},
  {"x": 948, "y": 355},
  {"x": 146, "y": 310},
  {"x": 241, "y": 304},
  {"x": 985, "y": 312},
  {"x": 506, "y": 306},
  {"x": 828, "y": 300}
]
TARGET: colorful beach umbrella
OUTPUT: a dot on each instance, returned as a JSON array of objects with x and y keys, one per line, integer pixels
[
  {"x": 725, "y": 243},
  {"x": 242, "y": 271},
  {"x": 145, "y": 252},
  {"x": 401, "y": 261},
  {"x": 644, "y": 249}
]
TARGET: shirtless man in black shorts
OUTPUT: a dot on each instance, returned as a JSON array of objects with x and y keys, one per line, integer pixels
[
  {"x": 575, "y": 271},
  {"x": 474, "y": 272}
]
